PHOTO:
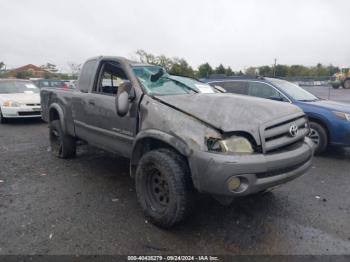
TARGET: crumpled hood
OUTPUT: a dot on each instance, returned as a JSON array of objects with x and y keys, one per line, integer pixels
[
  {"x": 23, "y": 98},
  {"x": 331, "y": 105},
  {"x": 230, "y": 112}
]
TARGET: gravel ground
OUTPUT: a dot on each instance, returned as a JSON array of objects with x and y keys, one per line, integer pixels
[{"x": 87, "y": 205}]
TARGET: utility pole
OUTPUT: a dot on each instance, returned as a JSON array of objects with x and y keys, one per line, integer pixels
[{"x": 274, "y": 68}]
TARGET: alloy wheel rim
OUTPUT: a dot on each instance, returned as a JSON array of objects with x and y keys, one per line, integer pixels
[{"x": 314, "y": 136}]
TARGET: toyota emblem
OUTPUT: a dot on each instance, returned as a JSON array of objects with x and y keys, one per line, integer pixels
[{"x": 293, "y": 130}]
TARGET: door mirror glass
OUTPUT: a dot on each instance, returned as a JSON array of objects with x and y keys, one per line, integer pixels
[{"x": 124, "y": 96}]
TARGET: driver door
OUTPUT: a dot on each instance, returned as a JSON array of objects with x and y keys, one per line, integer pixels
[{"x": 110, "y": 131}]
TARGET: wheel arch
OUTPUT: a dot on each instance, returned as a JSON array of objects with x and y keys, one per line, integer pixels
[
  {"x": 155, "y": 139},
  {"x": 321, "y": 122},
  {"x": 56, "y": 113}
]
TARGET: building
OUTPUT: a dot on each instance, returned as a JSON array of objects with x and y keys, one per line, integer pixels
[{"x": 27, "y": 71}]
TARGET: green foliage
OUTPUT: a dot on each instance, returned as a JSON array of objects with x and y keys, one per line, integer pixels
[
  {"x": 23, "y": 75},
  {"x": 204, "y": 70},
  {"x": 2, "y": 65},
  {"x": 296, "y": 70},
  {"x": 220, "y": 70},
  {"x": 229, "y": 72},
  {"x": 49, "y": 67},
  {"x": 175, "y": 66}
]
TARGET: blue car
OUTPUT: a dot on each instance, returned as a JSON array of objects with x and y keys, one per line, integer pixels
[{"x": 329, "y": 120}]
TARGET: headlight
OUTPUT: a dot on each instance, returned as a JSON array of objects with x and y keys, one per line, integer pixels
[
  {"x": 11, "y": 104},
  {"x": 234, "y": 144},
  {"x": 342, "y": 116}
]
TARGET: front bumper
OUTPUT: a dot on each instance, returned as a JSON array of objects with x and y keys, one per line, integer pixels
[
  {"x": 211, "y": 171},
  {"x": 21, "y": 111}
]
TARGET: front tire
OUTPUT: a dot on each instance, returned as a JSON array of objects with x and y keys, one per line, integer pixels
[
  {"x": 318, "y": 135},
  {"x": 62, "y": 144},
  {"x": 163, "y": 188}
]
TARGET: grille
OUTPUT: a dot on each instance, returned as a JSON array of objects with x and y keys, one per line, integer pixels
[
  {"x": 277, "y": 136},
  {"x": 32, "y": 104},
  {"x": 34, "y": 113}
]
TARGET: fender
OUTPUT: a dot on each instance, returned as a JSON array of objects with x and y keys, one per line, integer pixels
[
  {"x": 60, "y": 112},
  {"x": 176, "y": 142}
]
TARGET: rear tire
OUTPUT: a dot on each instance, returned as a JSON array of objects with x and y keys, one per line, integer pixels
[
  {"x": 62, "y": 145},
  {"x": 162, "y": 187},
  {"x": 318, "y": 135},
  {"x": 346, "y": 84}
]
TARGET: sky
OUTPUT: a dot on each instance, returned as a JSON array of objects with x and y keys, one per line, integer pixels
[{"x": 236, "y": 33}]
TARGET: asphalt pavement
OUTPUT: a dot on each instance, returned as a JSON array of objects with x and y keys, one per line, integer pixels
[{"x": 87, "y": 205}]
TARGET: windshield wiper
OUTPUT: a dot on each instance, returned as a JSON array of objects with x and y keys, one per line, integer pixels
[{"x": 308, "y": 100}]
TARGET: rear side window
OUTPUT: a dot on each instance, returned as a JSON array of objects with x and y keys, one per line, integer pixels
[
  {"x": 236, "y": 87},
  {"x": 87, "y": 76},
  {"x": 262, "y": 90}
]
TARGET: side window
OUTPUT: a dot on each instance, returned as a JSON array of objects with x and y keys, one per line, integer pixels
[
  {"x": 264, "y": 91},
  {"x": 111, "y": 77},
  {"x": 236, "y": 87},
  {"x": 87, "y": 76}
]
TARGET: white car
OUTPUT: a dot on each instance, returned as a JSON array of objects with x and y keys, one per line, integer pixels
[{"x": 18, "y": 99}]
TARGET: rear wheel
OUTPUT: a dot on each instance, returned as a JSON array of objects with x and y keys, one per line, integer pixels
[
  {"x": 318, "y": 135},
  {"x": 62, "y": 145},
  {"x": 347, "y": 84},
  {"x": 162, "y": 187}
]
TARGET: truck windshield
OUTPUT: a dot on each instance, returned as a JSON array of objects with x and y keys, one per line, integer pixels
[
  {"x": 15, "y": 87},
  {"x": 166, "y": 84},
  {"x": 293, "y": 90}
]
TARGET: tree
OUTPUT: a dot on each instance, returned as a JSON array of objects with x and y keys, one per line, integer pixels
[
  {"x": 204, "y": 70},
  {"x": 181, "y": 67},
  {"x": 265, "y": 71},
  {"x": 2, "y": 65},
  {"x": 229, "y": 72},
  {"x": 145, "y": 57},
  {"x": 75, "y": 69},
  {"x": 49, "y": 67},
  {"x": 23, "y": 75},
  {"x": 281, "y": 70},
  {"x": 220, "y": 70},
  {"x": 251, "y": 71}
]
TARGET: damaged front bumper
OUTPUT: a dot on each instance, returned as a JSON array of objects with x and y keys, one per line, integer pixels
[{"x": 211, "y": 172}]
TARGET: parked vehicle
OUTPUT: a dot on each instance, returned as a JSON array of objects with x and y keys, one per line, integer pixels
[
  {"x": 341, "y": 79},
  {"x": 181, "y": 138},
  {"x": 50, "y": 83},
  {"x": 329, "y": 120},
  {"x": 18, "y": 99}
]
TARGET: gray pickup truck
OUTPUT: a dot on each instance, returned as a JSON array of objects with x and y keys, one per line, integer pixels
[{"x": 181, "y": 137}]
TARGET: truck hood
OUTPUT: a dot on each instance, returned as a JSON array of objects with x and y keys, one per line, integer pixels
[
  {"x": 23, "y": 98},
  {"x": 230, "y": 112}
]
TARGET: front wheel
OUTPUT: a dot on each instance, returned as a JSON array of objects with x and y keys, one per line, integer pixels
[
  {"x": 62, "y": 144},
  {"x": 318, "y": 135},
  {"x": 162, "y": 187}
]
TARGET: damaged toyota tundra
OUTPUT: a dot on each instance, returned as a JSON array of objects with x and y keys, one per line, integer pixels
[{"x": 182, "y": 137}]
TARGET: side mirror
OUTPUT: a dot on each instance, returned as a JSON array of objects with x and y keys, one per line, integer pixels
[
  {"x": 124, "y": 96},
  {"x": 276, "y": 98}
]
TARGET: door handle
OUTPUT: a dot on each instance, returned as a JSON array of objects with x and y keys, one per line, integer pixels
[{"x": 92, "y": 102}]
